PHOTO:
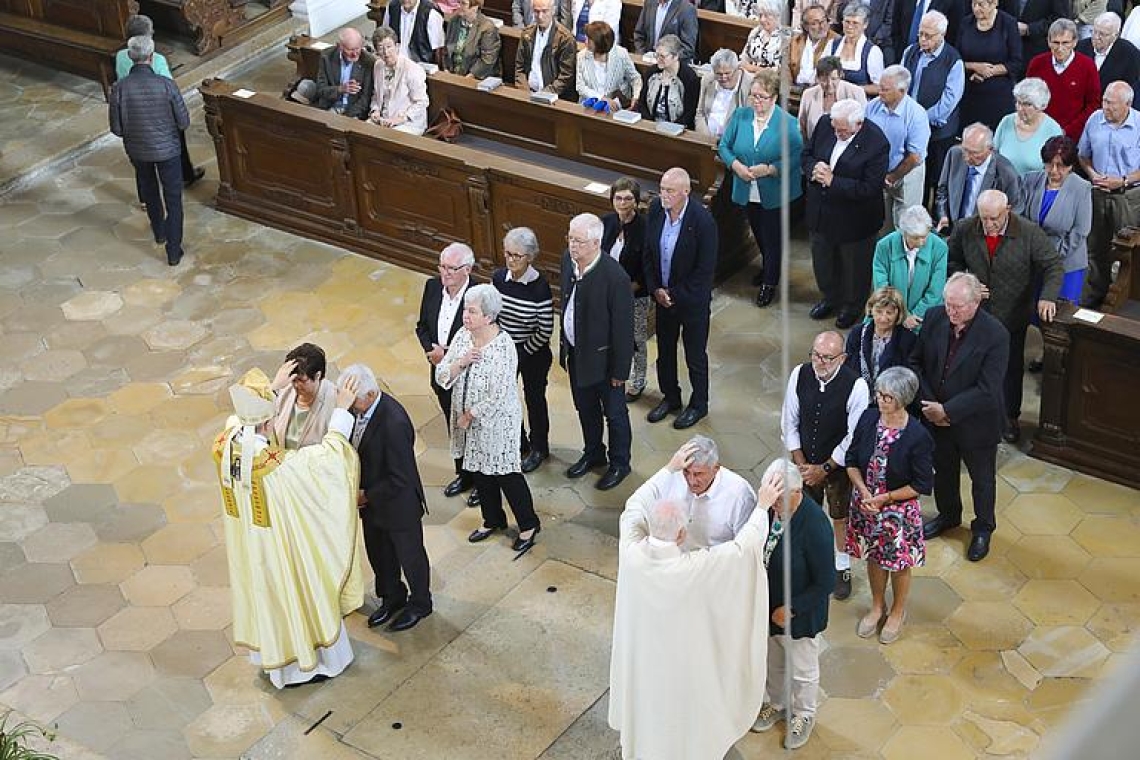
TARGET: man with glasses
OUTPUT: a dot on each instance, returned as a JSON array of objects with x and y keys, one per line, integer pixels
[
  {"x": 1116, "y": 60},
  {"x": 344, "y": 77},
  {"x": 970, "y": 169},
  {"x": 597, "y": 349},
  {"x": 441, "y": 316},
  {"x": 822, "y": 406},
  {"x": 1072, "y": 79}
]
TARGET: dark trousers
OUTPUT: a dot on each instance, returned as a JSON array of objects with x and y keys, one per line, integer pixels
[
  {"x": 391, "y": 552},
  {"x": 936, "y": 152},
  {"x": 765, "y": 224},
  {"x": 598, "y": 405},
  {"x": 843, "y": 271},
  {"x": 160, "y": 183},
  {"x": 444, "y": 398},
  {"x": 187, "y": 165},
  {"x": 691, "y": 326},
  {"x": 981, "y": 463},
  {"x": 534, "y": 369},
  {"x": 492, "y": 488},
  {"x": 1015, "y": 371}
]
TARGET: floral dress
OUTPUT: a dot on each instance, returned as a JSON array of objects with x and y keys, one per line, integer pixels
[{"x": 892, "y": 539}]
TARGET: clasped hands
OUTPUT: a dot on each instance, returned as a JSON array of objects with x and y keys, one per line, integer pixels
[
  {"x": 753, "y": 173},
  {"x": 822, "y": 174}
]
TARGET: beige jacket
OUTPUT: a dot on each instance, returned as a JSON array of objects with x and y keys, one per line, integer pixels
[{"x": 404, "y": 95}]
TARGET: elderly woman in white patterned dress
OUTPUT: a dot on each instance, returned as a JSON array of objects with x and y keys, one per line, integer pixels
[
  {"x": 486, "y": 415},
  {"x": 764, "y": 47}
]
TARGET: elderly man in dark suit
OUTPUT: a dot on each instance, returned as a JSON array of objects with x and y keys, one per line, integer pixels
[
  {"x": 546, "y": 55},
  {"x": 845, "y": 162},
  {"x": 680, "y": 261},
  {"x": 970, "y": 169},
  {"x": 391, "y": 502},
  {"x": 1009, "y": 255},
  {"x": 1116, "y": 60},
  {"x": 960, "y": 359},
  {"x": 905, "y": 26},
  {"x": 344, "y": 76},
  {"x": 441, "y": 316},
  {"x": 661, "y": 17},
  {"x": 597, "y": 348}
]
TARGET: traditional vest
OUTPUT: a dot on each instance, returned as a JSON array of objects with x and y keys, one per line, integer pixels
[
  {"x": 419, "y": 48},
  {"x": 933, "y": 84},
  {"x": 823, "y": 415}
]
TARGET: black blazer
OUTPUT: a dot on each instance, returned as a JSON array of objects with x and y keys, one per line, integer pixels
[
  {"x": 328, "y": 79},
  {"x": 895, "y": 354},
  {"x": 954, "y": 10},
  {"x": 972, "y": 391},
  {"x": 911, "y": 461},
  {"x": 1121, "y": 65},
  {"x": 694, "y": 256},
  {"x": 389, "y": 476},
  {"x": 430, "y": 303},
  {"x": 813, "y": 570},
  {"x": 632, "y": 256},
  {"x": 1038, "y": 15},
  {"x": 603, "y": 322},
  {"x": 852, "y": 208}
]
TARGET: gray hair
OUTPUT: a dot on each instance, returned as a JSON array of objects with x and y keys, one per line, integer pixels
[
  {"x": 1124, "y": 88},
  {"x": 981, "y": 129},
  {"x": 590, "y": 225},
  {"x": 787, "y": 472},
  {"x": 849, "y": 111},
  {"x": 706, "y": 453},
  {"x": 667, "y": 519},
  {"x": 141, "y": 26},
  {"x": 1109, "y": 20},
  {"x": 486, "y": 297},
  {"x": 671, "y": 43},
  {"x": 991, "y": 197},
  {"x": 852, "y": 10},
  {"x": 1033, "y": 91},
  {"x": 969, "y": 282},
  {"x": 140, "y": 49},
  {"x": 900, "y": 382},
  {"x": 365, "y": 379},
  {"x": 524, "y": 239},
  {"x": 468, "y": 254},
  {"x": 897, "y": 74},
  {"x": 941, "y": 23},
  {"x": 769, "y": 8},
  {"x": 915, "y": 221},
  {"x": 724, "y": 59},
  {"x": 1062, "y": 25}
]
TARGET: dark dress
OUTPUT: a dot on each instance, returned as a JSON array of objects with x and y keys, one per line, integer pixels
[{"x": 988, "y": 101}]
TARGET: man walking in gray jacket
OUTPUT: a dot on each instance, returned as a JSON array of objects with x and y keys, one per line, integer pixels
[{"x": 148, "y": 112}]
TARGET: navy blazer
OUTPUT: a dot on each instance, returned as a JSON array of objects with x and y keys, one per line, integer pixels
[
  {"x": 911, "y": 461},
  {"x": 972, "y": 392},
  {"x": 694, "y": 257},
  {"x": 851, "y": 208},
  {"x": 895, "y": 354},
  {"x": 813, "y": 570}
]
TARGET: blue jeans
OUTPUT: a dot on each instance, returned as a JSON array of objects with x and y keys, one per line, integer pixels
[{"x": 160, "y": 183}]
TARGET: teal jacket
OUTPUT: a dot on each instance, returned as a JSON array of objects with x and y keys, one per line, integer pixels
[
  {"x": 123, "y": 65},
  {"x": 890, "y": 268},
  {"x": 738, "y": 144}
]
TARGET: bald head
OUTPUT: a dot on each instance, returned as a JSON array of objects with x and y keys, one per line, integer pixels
[
  {"x": 675, "y": 186},
  {"x": 350, "y": 42},
  {"x": 827, "y": 354},
  {"x": 993, "y": 210},
  {"x": 992, "y": 200},
  {"x": 667, "y": 520}
]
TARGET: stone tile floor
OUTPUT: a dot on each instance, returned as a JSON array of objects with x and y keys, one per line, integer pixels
[{"x": 114, "y": 606}]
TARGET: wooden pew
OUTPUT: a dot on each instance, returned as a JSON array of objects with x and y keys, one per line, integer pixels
[
  {"x": 205, "y": 21},
  {"x": 395, "y": 197},
  {"x": 78, "y": 36},
  {"x": 511, "y": 35}
]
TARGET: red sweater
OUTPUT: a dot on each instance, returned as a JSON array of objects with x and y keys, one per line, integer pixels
[{"x": 1074, "y": 95}]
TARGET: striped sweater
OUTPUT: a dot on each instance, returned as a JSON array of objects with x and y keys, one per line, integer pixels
[{"x": 528, "y": 309}]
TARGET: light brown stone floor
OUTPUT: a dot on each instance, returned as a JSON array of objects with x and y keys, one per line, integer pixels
[{"x": 114, "y": 611}]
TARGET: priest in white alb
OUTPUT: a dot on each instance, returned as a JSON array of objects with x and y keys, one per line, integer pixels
[
  {"x": 291, "y": 523},
  {"x": 689, "y": 659}
]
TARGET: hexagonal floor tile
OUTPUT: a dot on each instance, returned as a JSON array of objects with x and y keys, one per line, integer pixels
[
  {"x": 853, "y": 672},
  {"x": 158, "y": 585},
  {"x": 937, "y": 742},
  {"x": 35, "y": 582},
  {"x": 97, "y": 725},
  {"x": 179, "y": 544},
  {"x": 85, "y": 605},
  {"x": 192, "y": 654},
  {"x": 41, "y": 698},
  {"x": 81, "y": 503},
  {"x": 1061, "y": 602},
  {"x": 114, "y": 676},
  {"x": 1049, "y": 557},
  {"x": 137, "y": 629},
  {"x": 169, "y": 704},
  {"x": 227, "y": 730},
  {"x": 59, "y": 542},
  {"x": 60, "y": 649},
  {"x": 1034, "y": 476},
  {"x": 923, "y": 699},
  {"x": 1064, "y": 652},
  {"x": 989, "y": 626},
  {"x": 76, "y": 413},
  {"x": 1043, "y": 514},
  {"x": 1109, "y": 536},
  {"x": 107, "y": 563},
  {"x": 994, "y": 580},
  {"x": 93, "y": 305},
  {"x": 1113, "y": 579},
  {"x": 206, "y": 608}
]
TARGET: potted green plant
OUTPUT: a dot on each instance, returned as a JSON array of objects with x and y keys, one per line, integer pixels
[{"x": 14, "y": 740}]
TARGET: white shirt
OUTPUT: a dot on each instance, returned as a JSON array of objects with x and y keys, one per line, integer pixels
[
  {"x": 572, "y": 304},
  {"x": 837, "y": 151},
  {"x": 717, "y": 515},
  {"x": 1060, "y": 67},
  {"x": 790, "y": 417},
  {"x": 1099, "y": 57},
  {"x": 911, "y": 258},
  {"x": 616, "y": 249},
  {"x": 541, "y": 39},
  {"x": 807, "y": 64},
  {"x": 448, "y": 307},
  {"x": 721, "y": 109},
  {"x": 434, "y": 29}
]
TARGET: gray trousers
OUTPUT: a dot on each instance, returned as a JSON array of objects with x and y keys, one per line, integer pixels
[{"x": 1110, "y": 213}]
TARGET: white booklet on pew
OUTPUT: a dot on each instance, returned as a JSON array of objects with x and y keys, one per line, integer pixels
[{"x": 626, "y": 116}]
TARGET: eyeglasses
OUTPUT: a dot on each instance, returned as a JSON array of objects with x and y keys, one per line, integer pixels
[
  {"x": 824, "y": 358},
  {"x": 760, "y": 96},
  {"x": 514, "y": 256},
  {"x": 884, "y": 396},
  {"x": 624, "y": 198},
  {"x": 573, "y": 241},
  {"x": 453, "y": 270}
]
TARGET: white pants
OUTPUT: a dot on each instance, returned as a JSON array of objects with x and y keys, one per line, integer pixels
[
  {"x": 804, "y": 655},
  {"x": 906, "y": 193}
]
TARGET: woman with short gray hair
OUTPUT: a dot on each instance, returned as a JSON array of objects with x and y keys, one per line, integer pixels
[
  {"x": 723, "y": 90},
  {"x": 671, "y": 93},
  {"x": 479, "y": 369},
  {"x": 891, "y": 463},
  {"x": 528, "y": 317},
  {"x": 764, "y": 48},
  {"x": 913, "y": 262},
  {"x": 1021, "y": 135}
]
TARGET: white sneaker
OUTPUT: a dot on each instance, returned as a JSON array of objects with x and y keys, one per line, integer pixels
[
  {"x": 799, "y": 731},
  {"x": 768, "y": 717}
]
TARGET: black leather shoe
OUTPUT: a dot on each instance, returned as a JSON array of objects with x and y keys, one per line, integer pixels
[
  {"x": 473, "y": 499},
  {"x": 612, "y": 478},
  {"x": 458, "y": 486},
  {"x": 661, "y": 411},
  {"x": 846, "y": 319},
  {"x": 688, "y": 418},
  {"x": 1035, "y": 366},
  {"x": 482, "y": 534},
  {"x": 384, "y": 613},
  {"x": 1012, "y": 432},
  {"x": 979, "y": 547},
  {"x": 937, "y": 526},
  {"x": 175, "y": 259},
  {"x": 821, "y": 310},
  {"x": 533, "y": 460},
  {"x": 522, "y": 544},
  {"x": 407, "y": 619},
  {"x": 765, "y": 296},
  {"x": 198, "y": 173},
  {"x": 584, "y": 465}
]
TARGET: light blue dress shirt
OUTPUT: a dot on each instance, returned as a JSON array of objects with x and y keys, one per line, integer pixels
[
  {"x": 939, "y": 112},
  {"x": 907, "y": 128},
  {"x": 1114, "y": 151},
  {"x": 345, "y": 75},
  {"x": 670, "y": 231}
]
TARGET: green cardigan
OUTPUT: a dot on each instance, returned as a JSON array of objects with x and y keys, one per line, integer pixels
[
  {"x": 890, "y": 268},
  {"x": 738, "y": 143}
]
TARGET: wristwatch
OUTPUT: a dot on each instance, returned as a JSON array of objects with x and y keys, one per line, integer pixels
[{"x": 828, "y": 467}]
